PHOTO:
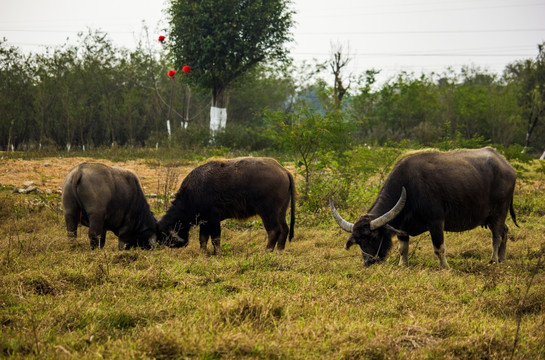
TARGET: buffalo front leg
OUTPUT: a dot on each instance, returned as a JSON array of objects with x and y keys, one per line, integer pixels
[
  {"x": 210, "y": 229},
  {"x": 203, "y": 238},
  {"x": 499, "y": 242},
  {"x": 103, "y": 239},
  {"x": 403, "y": 250},
  {"x": 437, "y": 238},
  {"x": 503, "y": 245}
]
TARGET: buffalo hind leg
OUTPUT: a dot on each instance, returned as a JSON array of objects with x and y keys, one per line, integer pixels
[
  {"x": 281, "y": 241},
  {"x": 71, "y": 219},
  {"x": 277, "y": 230},
  {"x": 96, "y": 231},
  {"x": 403, "y": 250},
  {"x": 277, "y": 233},
  {"x": 438, "y": 240}
]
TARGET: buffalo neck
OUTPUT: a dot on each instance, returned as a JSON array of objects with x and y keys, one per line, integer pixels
[
  {"x": 177, "y": 214},
  {"x": 385, "y": 201}
]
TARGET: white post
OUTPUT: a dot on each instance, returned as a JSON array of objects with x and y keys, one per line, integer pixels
[{"x": 168, "y": 128}]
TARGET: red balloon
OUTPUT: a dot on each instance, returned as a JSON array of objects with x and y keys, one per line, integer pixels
[
  {"x": 171, "y": 73},
  {"x": 186, "y": 69},
  {"x": 161, "y": 38}
]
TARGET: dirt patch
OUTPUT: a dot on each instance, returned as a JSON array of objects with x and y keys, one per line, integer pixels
[{"x": 49, "y": 173}]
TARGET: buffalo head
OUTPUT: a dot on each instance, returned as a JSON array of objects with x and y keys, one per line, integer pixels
[
  {"x": 371, "y": 233},
  {"x": 173, "y": 238}
]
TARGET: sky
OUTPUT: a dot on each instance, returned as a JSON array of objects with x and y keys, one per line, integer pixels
[{"x": 415, "y": 36}]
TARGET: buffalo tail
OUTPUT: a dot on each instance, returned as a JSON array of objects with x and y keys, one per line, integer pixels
[
  {"x": 512, "y": 212},
  {"x": 74, "y": 186},
  {"x": 292, "y": 220}
]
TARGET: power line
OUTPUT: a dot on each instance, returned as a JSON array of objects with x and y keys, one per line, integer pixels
[
  {"x": 396, "y": 32},
  {"x": 420, "y": 55},
  {"x": 438, "y": 10},
  {"x": 414, "y": 32}
]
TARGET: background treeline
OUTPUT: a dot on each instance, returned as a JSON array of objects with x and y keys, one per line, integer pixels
[{"x": 93, "y": 94}]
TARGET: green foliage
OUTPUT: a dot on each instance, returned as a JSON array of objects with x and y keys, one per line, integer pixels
[{"x": 313, "y": 138}]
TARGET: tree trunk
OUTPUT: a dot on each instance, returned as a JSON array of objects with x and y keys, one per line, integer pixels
[{"x": 218, "y": 111}]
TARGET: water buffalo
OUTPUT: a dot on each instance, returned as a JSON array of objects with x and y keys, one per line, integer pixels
[
  {"x": 108, "y": 198},
  {"x": 237, "y": 188},
  {"x": 436, "y": 192}
]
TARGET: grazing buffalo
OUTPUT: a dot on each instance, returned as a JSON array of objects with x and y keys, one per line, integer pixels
[
  {"x": 436, "y": 192},
  {"x": 237, "y": 188},
  {"x": 108, "y": 198}
]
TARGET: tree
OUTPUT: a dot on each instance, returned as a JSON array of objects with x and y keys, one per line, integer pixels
[
  {"x": 530, "y": 77},
  {"x": 16, "y": 119},
  {"x": 223, "y": 39},
  {"x": 337, "y": 63}
]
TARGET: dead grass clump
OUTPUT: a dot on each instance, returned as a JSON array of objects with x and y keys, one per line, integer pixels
[
  {"x": 485, "y": 346},
  {"x": 78, "y": 278},
  {"x": 381, "y": 349},
  {"x": 247, "y": 309},
  {"x": 14, "y": 346},
  {"x": 155, "y": 279},
  {"x": 125, "y": 258},
  {"x": 73, "y": 318},
  {"x": 158, "y": 344},
  {"x": 245, "y": 345},
  {"x": 511, "y": 303},
  {"x": 123, "y": 320},
  {"x": 43, "y": 285},
  {"x": 444, "y": 329}
]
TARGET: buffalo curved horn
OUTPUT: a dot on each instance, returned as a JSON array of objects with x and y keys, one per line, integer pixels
[
  {"x": 390, "y": 215},
  {"x": 345, "y": 225},
  {"x": 176, "y": 240}
]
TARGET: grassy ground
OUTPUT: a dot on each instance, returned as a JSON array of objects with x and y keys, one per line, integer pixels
[{"x": 59, "y": 299}]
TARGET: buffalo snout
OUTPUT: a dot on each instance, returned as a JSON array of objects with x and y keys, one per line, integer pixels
[{"x": 177, "y": 243}]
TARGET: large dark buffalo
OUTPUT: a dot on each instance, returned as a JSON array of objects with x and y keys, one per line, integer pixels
[
  {"x": 435, "y": 191},
  {"x": 237, "y": 188},
  {"x": 108, "y": 198}
]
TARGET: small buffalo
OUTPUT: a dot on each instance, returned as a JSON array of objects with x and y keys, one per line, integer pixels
[
  {"x": 108, "y": 198},
  {"x": 237, "y": 188},
  {"x": 436, "y": 192}
]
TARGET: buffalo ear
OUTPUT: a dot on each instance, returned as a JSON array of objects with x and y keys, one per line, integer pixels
[
  {"x": 349, "y": 243},
  {"x": 394, "y": 231}
]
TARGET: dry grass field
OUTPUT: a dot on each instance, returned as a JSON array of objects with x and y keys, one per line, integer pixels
[{"x": 61, "y": 300}]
